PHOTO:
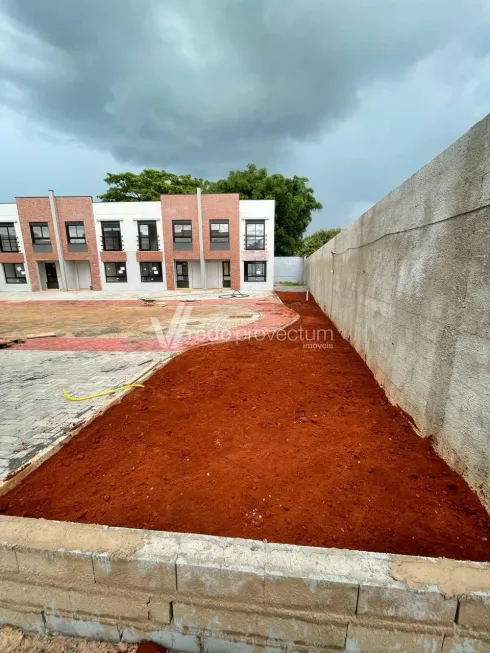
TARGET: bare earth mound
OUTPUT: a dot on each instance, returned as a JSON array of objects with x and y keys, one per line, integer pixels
[{"x": 264, "y": 440}]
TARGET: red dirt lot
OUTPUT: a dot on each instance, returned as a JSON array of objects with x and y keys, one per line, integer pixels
[{"x": 265, "y": 440}]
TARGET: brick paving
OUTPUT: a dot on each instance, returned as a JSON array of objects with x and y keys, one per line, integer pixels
[{"x": 34, "y": 411}]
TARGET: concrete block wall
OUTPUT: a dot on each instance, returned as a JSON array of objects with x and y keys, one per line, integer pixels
[
  {"x": 408, "y": 284},
  {"x": 201, "y": 593}
]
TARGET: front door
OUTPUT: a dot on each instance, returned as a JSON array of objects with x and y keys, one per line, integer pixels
[
  {"x": 51, "y": 276},
  {"x": 226, "y": 274},
  {"x": 182, "y": 271}
]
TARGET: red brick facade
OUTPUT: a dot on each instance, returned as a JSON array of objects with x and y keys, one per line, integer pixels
[
  {"x": 35, "y": 209},
  {"x": 79, "y": 209},
  {"x": 223, "y": 207},
  {"x": 149, "y": 257},
  {"x": 214, "y": 207},
  {"x": 113, "y": 257},
  {"x": 178, "y": 207}
]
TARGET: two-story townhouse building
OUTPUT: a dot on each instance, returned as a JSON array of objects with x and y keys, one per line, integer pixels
[{"x": 198, "y": 241}]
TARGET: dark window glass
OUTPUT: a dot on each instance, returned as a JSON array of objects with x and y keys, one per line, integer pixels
[
  {"x": 115, "y": 272},
  {"x": 182, "y": 232},
  {"x": 151, "y": 271},
  {"x": 75, "y": 233},
  {"x": 255, "y": 235},
  {"x": 147, "y": 236},
  {"x": 8, "y": 239},
  {"x": 111, "y": 236},
  {"x": 40, "y": 233},
  {"x": 220, "y": 231},
  {"x": 14, "y": 273},
  {"x": 255, "y": 270}
]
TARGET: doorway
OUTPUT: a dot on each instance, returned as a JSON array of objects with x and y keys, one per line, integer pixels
[
  {"x": 226, "y": 274},
  {"x": 51, "y": 276},
  {"x": 182, "y": 271}
]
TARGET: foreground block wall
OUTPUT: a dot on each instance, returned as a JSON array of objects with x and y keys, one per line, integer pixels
[
  {"x": 196, "y": 593},
  {"x": 408, "y": 284}
]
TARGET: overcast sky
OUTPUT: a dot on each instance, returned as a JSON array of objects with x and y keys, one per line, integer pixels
[{"x": 356, "y": 95}]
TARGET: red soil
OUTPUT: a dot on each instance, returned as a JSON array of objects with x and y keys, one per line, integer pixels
[
  {"x": 264, "y": 440},
  {"x": 150, "y": 647}
]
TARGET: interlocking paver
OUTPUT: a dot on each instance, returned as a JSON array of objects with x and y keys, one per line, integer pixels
[{"x": 27, "y": 427}]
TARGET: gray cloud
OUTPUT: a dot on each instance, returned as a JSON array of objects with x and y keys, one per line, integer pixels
[{"x": 204, "y": 85}]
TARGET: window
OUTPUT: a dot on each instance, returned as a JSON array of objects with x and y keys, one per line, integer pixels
[
  {"x": 14, "y": 273},
  {"x": 115, "y": 272},
  {"x": 40, "y": 233},
  {"x": 147, "y": 236},
  {"x": 75, "y": 233},
  {"x": 8, "y": 239},
  {"x": 255, "y": 235},
  {"x": 111, "y": 236},
  {"x": 220, "y": 231},
  {"x": 182, "y": 231},
  {"x": 255, "y": 270},
  {"x": 151, "y": 271}
]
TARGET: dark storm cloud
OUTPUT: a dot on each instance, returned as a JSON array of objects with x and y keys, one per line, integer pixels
[{"x": 205, "y": 84}]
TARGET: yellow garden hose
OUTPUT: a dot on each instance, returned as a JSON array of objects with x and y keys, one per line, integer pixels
[{"x": 100, "y": 394}]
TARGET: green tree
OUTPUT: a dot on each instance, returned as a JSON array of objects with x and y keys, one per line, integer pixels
[
  {"x": 311, "y": 243},
  {"x": 295, "y": 202},
  {"x": 148, "y": 185}
]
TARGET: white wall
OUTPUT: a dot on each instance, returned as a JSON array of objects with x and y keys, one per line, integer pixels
[
  {"x": 259, "y": 210},
  {"x": 128, "y": 214},
  {"x": 8, "y": 213},
  {"x": 289, "y": 268}
]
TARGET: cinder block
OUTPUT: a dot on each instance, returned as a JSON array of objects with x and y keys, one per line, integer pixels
[
  {"x": 168, "y": 638},
  {"x": 115, "y": 605},
  {"x": 294, "y": 630},
  {"x": 135, "y": 573},
  {"x": 406, "y": 605},
  {"x": 214, "y": 619},
  {"x": 208, "y": 567},
  {"x": 199, "y": 580},
  {"x": 474, "y": 612},
  {"x": 42, "y": 596},
  {"x": 71, "y": 627},
  {"x": 8, "y": 562},
  {"x": 159, "y": 610},
  {"x": 465, "y": 644},
  {"x": 365, "y": 639},
  {"x": 30, "y": 622},
  {"x": 304, "y": 593},
  {"x": 66, "y": 570}
]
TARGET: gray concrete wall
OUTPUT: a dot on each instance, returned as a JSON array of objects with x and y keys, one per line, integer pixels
[
  {"x": 288, "y": 268},
  {"x": 408, "y": 284},
  {"x": 202, "y": 594}
]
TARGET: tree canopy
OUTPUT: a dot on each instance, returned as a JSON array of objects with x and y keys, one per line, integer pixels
[
  {"x": 295, "y": 201},
  {"x": 318, "y": 238}
]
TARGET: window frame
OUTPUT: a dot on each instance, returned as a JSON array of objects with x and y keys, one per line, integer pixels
[
  {"x": 254, "y": 223},
  {"x": 255, "y": 278},
  {"x": 43, "y": 240},
  {"x": 11, "y": 239},
  {"x": 151, "y": 278},
  {"x": 219, "y": 238},
  {"x": 116, "y": 278},
  {"x": 111, "y": 224},
  {"x": 152, "y": 240},
  {"x": 19, "y": 278},
  {"x": 75, "y": 240},
  {"x": 182, "y": 239}
]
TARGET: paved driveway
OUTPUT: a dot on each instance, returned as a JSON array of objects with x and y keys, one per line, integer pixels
[{"x": 34, "y": 411}]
